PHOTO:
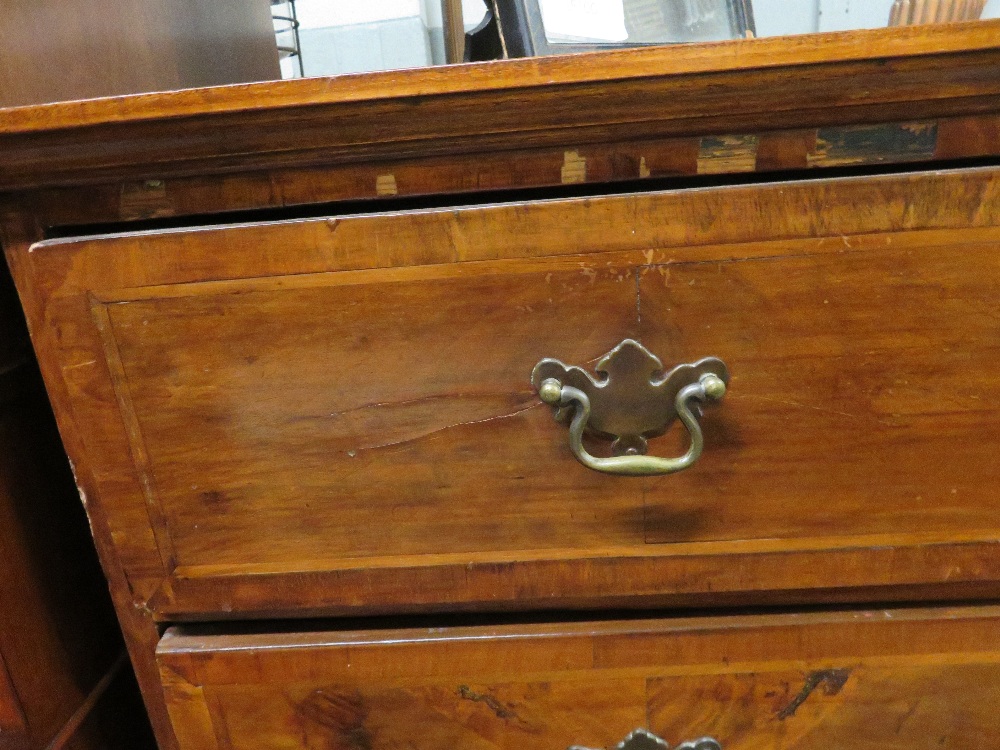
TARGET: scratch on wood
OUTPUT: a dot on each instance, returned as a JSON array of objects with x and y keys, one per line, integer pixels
[
  {"x": 860, "y": 417},
  {"x": 439, "y": 430},
  {"x": 385, "y": 184},
  {"x": 88, "y": 363},
  {"x": 431, "y": 398},
  {"x": 833, "y": 680},
  {"x": 909, "y": 713},
  {"x": 720, "y": 154},
  {"x": 143, "y": 608},
  {"x": 574, "y": 168},
  {"x": 501, "y": 711},
  {"x": 638, "y": 298}
]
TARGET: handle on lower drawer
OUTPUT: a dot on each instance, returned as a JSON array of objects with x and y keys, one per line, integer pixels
[
  {"x": 642, "y": 739},
  {"x": 629, "y": 403}
]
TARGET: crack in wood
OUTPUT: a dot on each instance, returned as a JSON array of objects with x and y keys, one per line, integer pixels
[
  {"x": 499, "y": 709},
  {"x": 833, "y": 679}
]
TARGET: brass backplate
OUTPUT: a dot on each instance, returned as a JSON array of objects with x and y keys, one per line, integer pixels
[{"x": 631, "y": 398}]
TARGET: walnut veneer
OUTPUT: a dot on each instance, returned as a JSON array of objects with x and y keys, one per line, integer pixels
[{"x": 288, "y": 331}]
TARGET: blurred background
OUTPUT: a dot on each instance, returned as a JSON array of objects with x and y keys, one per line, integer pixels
[{"x": 329, "y": 37}]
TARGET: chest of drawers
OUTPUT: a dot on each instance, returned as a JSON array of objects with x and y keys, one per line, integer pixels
[{"x": 287, "y": 407}]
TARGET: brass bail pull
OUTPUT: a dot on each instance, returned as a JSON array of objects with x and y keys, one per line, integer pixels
[{"x": 630, "y": 401}]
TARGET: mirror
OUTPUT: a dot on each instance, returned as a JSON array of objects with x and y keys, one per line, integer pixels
[{"x": 336, "y": 37}]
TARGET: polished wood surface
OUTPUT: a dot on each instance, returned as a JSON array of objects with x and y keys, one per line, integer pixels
[
  {"x": 376, "y": 371},
  {"x": 919, "y": 246},
  {"x": 864, "y": 680},
  {"x": 59, "y": 50},
  {"x": 567, "y": 103}
]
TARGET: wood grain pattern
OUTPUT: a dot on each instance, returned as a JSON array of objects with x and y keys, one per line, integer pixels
[
  {"x": 868, "y": 679},
  {"x": 623, "y": 161},
  {"x": 438, "y": 521},
  {"x": 183, "y": 347},
  {"x": 844, "y": 395},
  {"x": 736, "y": 87},
  {"x": 391, "y": 461},
  {"x": 410, "y": 451},
  {"x": 108, "y": 48}
]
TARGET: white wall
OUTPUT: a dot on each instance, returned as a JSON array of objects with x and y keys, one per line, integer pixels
[
  {"x": 321, "y": 14},
  {"x": 843, "y": 15},
  {"x": 780, "y": 17},
  {"x": 472, "y": 13}
]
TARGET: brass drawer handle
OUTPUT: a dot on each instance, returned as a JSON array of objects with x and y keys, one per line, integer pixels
[
  {"x": 630, "y": 403},
  {"x": 642, "y": 739}
]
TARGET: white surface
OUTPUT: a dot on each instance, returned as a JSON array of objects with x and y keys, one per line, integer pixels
[
  {"x": 352, "y": 36},
  {"x": 387, "y": 45},
  {"x": 320, "y": 14},
  {"x": 844, "y": 15},
  {"x": 782, "y": 17},
  {"x": 992, "y": 9},
  {"x": 472, "y": 13},
  {"x": 584, "y": 20}
]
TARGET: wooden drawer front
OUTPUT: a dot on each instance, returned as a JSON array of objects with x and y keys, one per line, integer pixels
[
  {"x": 859, "y": 680},
  {"x": 336, "y": 415}
]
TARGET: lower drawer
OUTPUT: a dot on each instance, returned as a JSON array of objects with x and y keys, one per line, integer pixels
[{"x": 910, "y": 678}]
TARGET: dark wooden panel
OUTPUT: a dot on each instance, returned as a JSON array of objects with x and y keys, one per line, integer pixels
[
  {"x": 58, "y": 50},
  {"x": 12, "y": 721},
  {"x": 617, "y": 162},
  {"x": 864, "y": 680},
  {"x": 15, "y": 348}
]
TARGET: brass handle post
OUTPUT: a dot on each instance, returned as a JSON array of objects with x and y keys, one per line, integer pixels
[{"x": 629, "y": 403}]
